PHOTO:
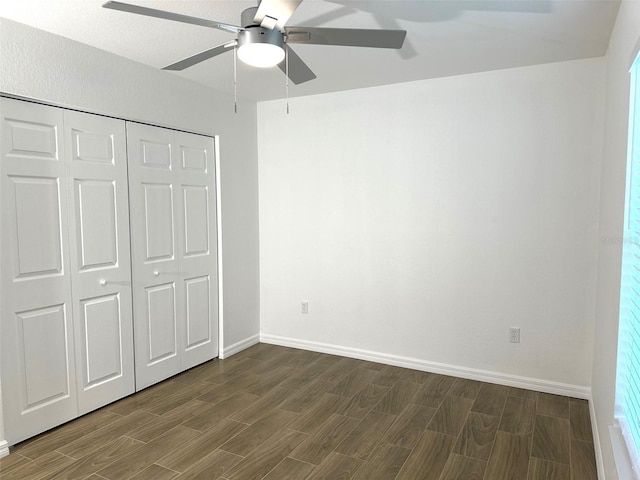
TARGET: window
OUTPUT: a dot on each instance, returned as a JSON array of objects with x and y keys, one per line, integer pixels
[{"x": 628, "y": 373}]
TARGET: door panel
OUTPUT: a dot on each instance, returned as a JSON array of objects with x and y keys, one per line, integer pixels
[
  {"x": 194, "y": 158},
  {"x": 196, "y": 220},
  {"x": 198, "y": 304},
  {"x": 173, "y": 245},
  {"x": 156, "y": 154},
  {"x": 92, "y": 147},
  {"x": 153, "y": 245},
  {"x": 36, "y": 364},
  {"x": 37, "y": 242},
  {"x": 101, "y": 267},
  {"x": 102, "y": 338},
  {"x": 158, "y": 220},
  {"x": 98, "y": 233},
  {"x": 42, "y": 355},
  {"x": 161, "y": 322},
  {"x": 31, "y": 140},
  {"x": 198, "y": 252}
]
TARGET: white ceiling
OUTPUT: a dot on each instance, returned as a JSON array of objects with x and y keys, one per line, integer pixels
[{"x": 446, "y": 37}]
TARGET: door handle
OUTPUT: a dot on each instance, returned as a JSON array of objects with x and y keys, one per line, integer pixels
[
  {"x": 104, "y": 283},
  {"x": 156, "y": 273}
]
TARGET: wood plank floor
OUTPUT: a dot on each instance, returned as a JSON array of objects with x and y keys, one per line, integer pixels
[{"x": 277, "y": 413}]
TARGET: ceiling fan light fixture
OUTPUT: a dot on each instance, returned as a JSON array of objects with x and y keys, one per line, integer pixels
[
  {"x": 261, "y": 55},
  {"x": 260, "y": 47}
]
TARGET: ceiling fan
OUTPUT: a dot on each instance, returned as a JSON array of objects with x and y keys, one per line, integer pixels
[{"x": 263, "y": 36}]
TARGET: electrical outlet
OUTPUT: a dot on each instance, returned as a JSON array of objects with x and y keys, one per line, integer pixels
[
  {"x": 514, "y": 334},
  {"x": 304, "y": 307}
]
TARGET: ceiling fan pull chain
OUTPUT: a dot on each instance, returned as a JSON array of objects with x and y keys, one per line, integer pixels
[
  {"x": 235, "y": 78},
  {"x": 286, "y": 74}
]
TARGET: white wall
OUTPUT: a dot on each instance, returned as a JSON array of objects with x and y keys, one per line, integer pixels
[
  {"x": 50, "y": 68},
  {"x": 622, "y": 46},
  {"x": 424, "y": 219}
]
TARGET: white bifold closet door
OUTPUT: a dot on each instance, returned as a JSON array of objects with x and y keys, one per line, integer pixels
[
  {"x": 65, "y": 334},
  {"x": 100, "y": 258},
  {"x": 38, "y": 368},
  {"x": 174, "y": 250}
]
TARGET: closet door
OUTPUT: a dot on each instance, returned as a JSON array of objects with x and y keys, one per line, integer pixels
[
  {"x": 37, "y": 364},
  {"x": 100, "y": 260},
  {"x": 172, "y": 201},
  {"x": 154, "y": 239},
  {"x": 197, "y": 253}
]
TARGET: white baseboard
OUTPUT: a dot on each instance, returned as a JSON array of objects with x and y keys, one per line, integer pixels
[
  {"x": 4, "y": 448},
  {"x": 239, "y": 346},
  {"x": 576, "y": 391},
  {"x": 597, "y": 447}
]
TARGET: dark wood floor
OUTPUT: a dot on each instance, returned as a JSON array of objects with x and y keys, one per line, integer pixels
[{"x": 277, "y": 413}]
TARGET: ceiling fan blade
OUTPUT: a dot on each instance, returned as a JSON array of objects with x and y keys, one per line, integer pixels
[
  {"x": 152, "y": 12},
  {"x": 275, "y": 13},
  {"x": 200, "y": 57},
  {"x": 350, "y": 37},
  {"x": 299, "y": 72}
]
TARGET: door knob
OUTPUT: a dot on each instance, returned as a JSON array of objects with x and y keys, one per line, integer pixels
[
  {"x": 103, "y": 282},
  {"x": 156, "y": 273}
]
